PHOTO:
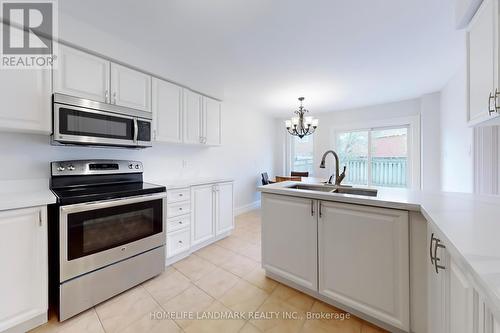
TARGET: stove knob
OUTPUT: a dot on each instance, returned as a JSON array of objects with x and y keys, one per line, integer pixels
[
  {"x": 130, "y": 166},
  {"x": 137, "y": 166},
  {"x": 60, "y": 168},
  {"x": 71, "y": 167}
]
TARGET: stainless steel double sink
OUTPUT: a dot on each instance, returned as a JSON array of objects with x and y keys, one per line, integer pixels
[{"x": 369, "y": 192}]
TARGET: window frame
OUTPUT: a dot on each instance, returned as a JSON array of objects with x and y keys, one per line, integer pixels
[
  {"x": 290, "y": 154},
  {"x": 413, "y": 144}
]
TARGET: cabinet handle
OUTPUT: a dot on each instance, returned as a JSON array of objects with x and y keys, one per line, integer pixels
[
  {"x": 436, "y": 259},
  {"x": 154, "y": 135},
  {"x": 40, "y": 218},
  {"x": 495, "y": 98},
  {"x": 114, "y": 97},
  {"x": 320, "y": 210},
  {"x": 430, "y": 249},
  {"x": 106, "y": 96},
  {"x": 490, "y": 98},
  {"x": 312, "y": 207}
]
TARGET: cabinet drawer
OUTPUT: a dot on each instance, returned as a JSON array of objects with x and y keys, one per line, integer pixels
[
  {"x": 177, "y": 195},
  {"x": 176, "y": 209},
  {"x": 178, "y": 242},
  {"x": 177, "y": 223}
]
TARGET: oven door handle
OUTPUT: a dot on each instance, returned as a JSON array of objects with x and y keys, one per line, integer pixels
[{"x": 82, "y": 207}]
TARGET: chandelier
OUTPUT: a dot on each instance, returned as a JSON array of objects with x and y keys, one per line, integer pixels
[{"x": 301, "y": 126}]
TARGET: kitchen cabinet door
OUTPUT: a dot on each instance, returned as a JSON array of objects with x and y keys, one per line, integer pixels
[
  {"x": 224, "y": 208},
  {"x": 26, "y": 101},
  {"x": 212, "y": 121},
  {"x": 167, "y": 111},
  {"x": 192, "y": 120},
  {"x": 363, "y": 260},
  {"x": 23, "y": 258},
  {"x": 81, "y": 74},
  {"x": 202, "y": 213},
  {"x": 461, "y": 300},
  {"x": 130, "y": 88},
  {"x": 289, "y": 238},
  {"x": 437, "y": 315},
  {"x": 482, "y": 62}
]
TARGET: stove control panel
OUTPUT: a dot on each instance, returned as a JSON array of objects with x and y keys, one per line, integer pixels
[{"x": 94, "y": 167}]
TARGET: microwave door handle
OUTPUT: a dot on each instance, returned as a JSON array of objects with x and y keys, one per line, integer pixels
[{"x": 136, "y": 130}]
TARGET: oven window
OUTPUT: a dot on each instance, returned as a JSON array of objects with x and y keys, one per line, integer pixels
[
  {"x": 74, "y": 122},
  {"x": 101, "y": 229}
]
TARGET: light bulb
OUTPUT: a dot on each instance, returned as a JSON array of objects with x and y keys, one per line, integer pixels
[
  {"x": 315, "y": 122},
  {"x": 288, "y": 123},
  {"x": 295, "y": 121},
  {"x": 309, "y": 120}
]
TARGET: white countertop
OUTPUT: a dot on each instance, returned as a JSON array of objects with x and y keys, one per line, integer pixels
[
  {"x": 179, "y": 183},
  {"x": 469, "y": 223},
  {"x": 25, "y": 193}
]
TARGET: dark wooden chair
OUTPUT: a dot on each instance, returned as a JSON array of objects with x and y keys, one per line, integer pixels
[
  {"x": 299, "y": 174},
  {"x": 265, "y": 178}
]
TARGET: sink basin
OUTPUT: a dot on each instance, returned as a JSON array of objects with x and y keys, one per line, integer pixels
[
  {"x": 356, "y": 191},
  {"x": 336, "y": 189},
  {"x": 309, "y": 187}
]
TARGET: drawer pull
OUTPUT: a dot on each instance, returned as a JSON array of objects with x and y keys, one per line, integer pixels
[
  {"x": 180, "y": 208},
  {"x": 180, "y": 222},
  {"x": 180, "y": 242},
  {"x": 180, "y": 194}
]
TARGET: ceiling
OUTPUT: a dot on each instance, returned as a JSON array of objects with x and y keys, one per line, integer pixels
[{"x": 265, "y": 53}]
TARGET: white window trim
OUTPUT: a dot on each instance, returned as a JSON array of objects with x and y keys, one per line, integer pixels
[
  {"x": 289, "y": 150},
  {"x": 414, "y": 157}
]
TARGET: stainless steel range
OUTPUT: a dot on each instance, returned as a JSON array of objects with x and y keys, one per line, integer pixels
[{"x": 106, "y": 232}]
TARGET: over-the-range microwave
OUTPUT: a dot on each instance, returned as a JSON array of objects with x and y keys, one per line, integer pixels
[{"x": 85, "y": 122}]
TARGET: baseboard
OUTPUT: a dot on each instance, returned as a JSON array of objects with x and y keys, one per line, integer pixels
[{"x": 246, "y": 208}]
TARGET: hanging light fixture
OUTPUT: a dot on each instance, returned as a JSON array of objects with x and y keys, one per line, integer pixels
[{"x": 301, "y": 126}]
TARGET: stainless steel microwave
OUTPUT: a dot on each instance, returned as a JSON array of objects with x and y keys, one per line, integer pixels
[{"x": 86, "y": 122}]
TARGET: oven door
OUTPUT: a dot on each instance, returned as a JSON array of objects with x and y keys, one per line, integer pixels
[
  {"x": 79, "y": 125},
  {"x": 97, "y": 234}
]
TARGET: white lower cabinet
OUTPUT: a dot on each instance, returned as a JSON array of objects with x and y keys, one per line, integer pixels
[
  {"x": 224, "y": 216},
  {"x": 23, "y": 256},
  {"x": 202, "y": 203},
  {"x": 454, "y": 304},
  {"x": 197, "y": 216},
  {"x": 352, "y": 255},
  {"x": 289, "y": 238},
  {"x": 364, "y": 260}
]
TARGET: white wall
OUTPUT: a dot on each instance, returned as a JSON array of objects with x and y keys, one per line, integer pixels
[
  {"x": 456, "y": 137},
  {"x": 430, "y": 138},
  {"x": 245, "y": 153}
]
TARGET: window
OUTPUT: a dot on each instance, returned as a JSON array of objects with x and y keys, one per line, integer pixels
[
  {"x": 377, "y": 156},
  {"x": 302, "y": 154}
]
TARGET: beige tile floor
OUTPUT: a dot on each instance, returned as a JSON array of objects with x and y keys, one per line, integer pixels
[{"x": 224, "y": 277}]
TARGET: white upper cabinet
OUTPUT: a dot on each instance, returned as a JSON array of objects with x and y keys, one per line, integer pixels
[
  {"x": 26, "y": 102},
  {"x": 289, "y": 238},
  {"x": 482, "y": 64},
  {"x": 23, "y": 256},
  {"x": 82, "y": 75},
  {"x": 212, "y": 121},
  {"x": 130, "y": 88},
  {"x": 363, "y": 260},
  {"x": 167, "y": 111},
  {"x": 192, "y": 117},
  {"x": 224, "y": 217}
]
